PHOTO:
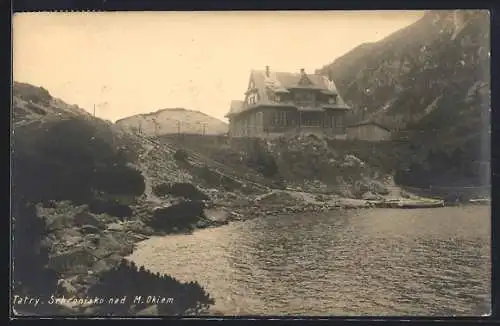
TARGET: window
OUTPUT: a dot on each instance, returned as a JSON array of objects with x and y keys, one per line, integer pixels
[
  {"x": 304, "y": 97},
  {"x": 311, "y": 120},
  {"x": 280, "y": 118},
  {"x": 332, "y": 99},
  {"x": 252, "y": 98},
  {"x": 272, "y": 96},
  {"x": 260, "y": 121},
  {"x": 336, "y": 121},
  {"x": 339, "y": 121},
  {"x": 246, "y": 128}
]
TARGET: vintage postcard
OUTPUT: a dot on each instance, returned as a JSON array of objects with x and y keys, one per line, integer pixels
[{"x": 287, "y": 163}]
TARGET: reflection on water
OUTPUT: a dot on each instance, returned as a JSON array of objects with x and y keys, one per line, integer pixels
[{"x": 364, "y": 262}]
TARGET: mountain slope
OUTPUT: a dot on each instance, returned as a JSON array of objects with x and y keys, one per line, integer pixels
[
  {"x": 172, "y": 121},
  {"x": 32, "y": 103},
  {"x": 430, "y": 83},
  {"x": 439, "y": 61}
]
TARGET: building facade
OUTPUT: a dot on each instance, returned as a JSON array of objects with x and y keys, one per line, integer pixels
[
  {"x": 368, "y": 130},
  {"x": 281, "y": 103}
]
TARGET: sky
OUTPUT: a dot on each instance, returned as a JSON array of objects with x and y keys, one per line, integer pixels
[{"x": 126, "y": 63}]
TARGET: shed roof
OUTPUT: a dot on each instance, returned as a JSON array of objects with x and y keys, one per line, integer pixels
[{"x": 368, "y": 122}]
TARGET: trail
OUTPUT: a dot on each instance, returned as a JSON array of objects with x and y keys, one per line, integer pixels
[
  {"x": 198, "y": 160},
  {"x": 148, "y": 190}
]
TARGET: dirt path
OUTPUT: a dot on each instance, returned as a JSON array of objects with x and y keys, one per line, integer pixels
[
  {"x": 148, "y": 191},
  {"x": 199, "y": 160}
]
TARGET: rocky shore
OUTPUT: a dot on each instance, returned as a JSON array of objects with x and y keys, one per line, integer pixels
[
  {"x": 84, "y": 245},
  {"x": 278, "y": 202}
]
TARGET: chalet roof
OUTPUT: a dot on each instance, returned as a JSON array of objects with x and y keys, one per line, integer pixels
[
  {"x": 369, "y": 122},
  {"x": 286, "y": 80},
  {"x": 235, "y": 107},
  {"x": 281, "y": 82}
]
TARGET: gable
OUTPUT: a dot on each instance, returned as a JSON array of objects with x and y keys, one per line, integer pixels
[{"x": 305, "y": 81}]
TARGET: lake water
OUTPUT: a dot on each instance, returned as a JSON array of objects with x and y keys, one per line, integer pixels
[{"x": 355, "y": 262}]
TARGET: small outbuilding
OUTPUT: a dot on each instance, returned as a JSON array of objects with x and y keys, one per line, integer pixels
[{"x": 368, "y": 130}]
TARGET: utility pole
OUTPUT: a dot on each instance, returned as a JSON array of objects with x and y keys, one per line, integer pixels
[
  {"x": 156, "y": 127},
  {"x": 204, "y": 128},
  {"x": 94, "y": 110},
  {"x": 178, "y": 128}
]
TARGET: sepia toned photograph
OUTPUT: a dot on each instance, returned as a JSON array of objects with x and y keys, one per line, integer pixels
[{"x": 258, "y": 163}]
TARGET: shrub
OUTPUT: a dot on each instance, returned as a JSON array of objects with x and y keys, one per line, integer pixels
[
  {"x": 181, "y": 155},
  {"x": 262, "y": 160},
  {"x": 186, "y": 190},
  {"x": 67, "y": 159},
  {"x": 119, "y": 180},
  {"x": 29, "y": 274},
  {"x": 180, "y": 217},
  {"x": 128, "y": 280},
  {"x": 209, "y": 176},
  {"x": 110, "y": 207}
]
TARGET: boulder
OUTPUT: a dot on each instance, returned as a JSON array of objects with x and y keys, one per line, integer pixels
[
  {"x": 64, "y": 287},
  {"x": 74, "y": 260},
  {"x": 379, "y": 188},
  {"x": 87, "y": 229},
  {"x": 115, "y": 227},
  {"x": 370, "y": 196},
  {"x": 86, "y": 218},
  {"x": 93, "y": 239},
  {"x": 216, "y": 214},
  {"x": 68, "y": 239}
]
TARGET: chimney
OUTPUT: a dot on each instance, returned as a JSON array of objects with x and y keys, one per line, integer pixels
[
  {"x": 330, "y": 75},
  {"x": 267, "y": 71}
]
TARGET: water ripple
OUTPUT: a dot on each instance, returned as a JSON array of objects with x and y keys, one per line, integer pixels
[{"x": 366, "y": 262}]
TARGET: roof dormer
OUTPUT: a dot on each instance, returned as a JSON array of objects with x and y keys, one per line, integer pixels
[{"x": 304, "y": 80}]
